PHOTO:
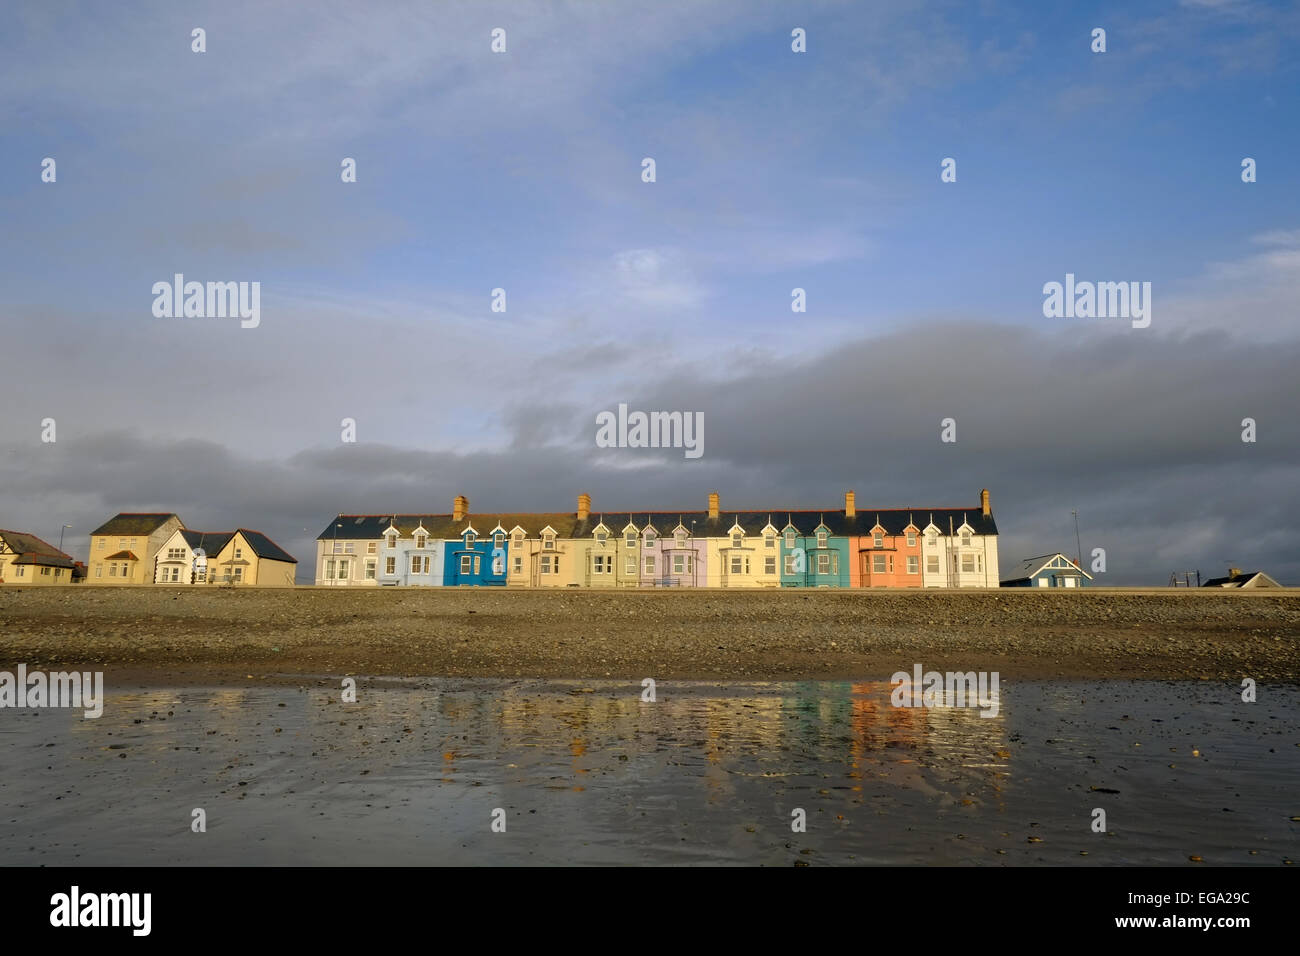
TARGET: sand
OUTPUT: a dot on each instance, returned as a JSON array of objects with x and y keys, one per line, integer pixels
[{"x": 185, "y": 636}]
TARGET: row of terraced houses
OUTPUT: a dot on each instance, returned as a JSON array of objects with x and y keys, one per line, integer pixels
[{"x": 848, "y": 548}]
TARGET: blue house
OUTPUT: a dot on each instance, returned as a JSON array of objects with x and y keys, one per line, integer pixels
[
  {"x": 474, "y": 560},
  {"x": 1049, "y": 571},
  {"x": 815, "y": 551}
]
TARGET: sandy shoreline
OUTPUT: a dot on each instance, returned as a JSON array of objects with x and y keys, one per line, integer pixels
[{"x": 179, "y": 637}]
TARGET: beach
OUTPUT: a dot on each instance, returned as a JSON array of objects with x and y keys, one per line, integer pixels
[{"x": 187, "y": 636}]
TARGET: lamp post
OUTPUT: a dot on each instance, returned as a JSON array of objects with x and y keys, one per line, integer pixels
[
  {"x": 61, "y": 530},
  {"x": 1077, "y": 545},
  {"x": 335, "y": 557}
]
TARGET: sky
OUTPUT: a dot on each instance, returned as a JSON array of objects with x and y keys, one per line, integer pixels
[{"x": 522, "y": 170}]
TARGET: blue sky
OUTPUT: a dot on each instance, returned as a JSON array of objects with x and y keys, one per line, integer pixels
[{"x": 522, "y": 170}]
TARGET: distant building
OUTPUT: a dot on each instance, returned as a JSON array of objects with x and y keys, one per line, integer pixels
[
  {"x": 1238, "y": 578},
  {"x": 1049, "y": 571},
  {"x": 27, "y": 560},
  {"x": 239, "y": 557},
  {"x": 122, "y": 549}
]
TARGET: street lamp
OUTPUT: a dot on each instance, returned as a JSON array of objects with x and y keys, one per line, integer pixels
[
  {"x": 61, "y": 530},
  {"x": 336, "y": 549}
]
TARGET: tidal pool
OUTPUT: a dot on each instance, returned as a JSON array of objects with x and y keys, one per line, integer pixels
[{"x": 416, "y": 772}]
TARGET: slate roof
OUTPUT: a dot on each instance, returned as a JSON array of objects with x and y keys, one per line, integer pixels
[
  {"x": 567, "y": 525},
  {"x": 264, "y": 547},
  {"x": 1241, "y": 580},
  {"x": 129, "y": 523},
  {"x": 210, "y": 541},
  {"x": 33, "y": 550},
  {"x": 1031, "y": 566}
]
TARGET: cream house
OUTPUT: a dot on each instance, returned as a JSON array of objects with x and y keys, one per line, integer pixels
[
  {"x": 28, "y": 561},
  {"x": 122, "y": 549}
]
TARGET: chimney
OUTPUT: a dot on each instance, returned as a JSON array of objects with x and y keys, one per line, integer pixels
[
  {"x": 713, "y": 504},
  {"x": 461, "y": 509},
  {"x": 584, "y": 506},
  {"x": 1234, "y": 573},
  {"x": 984, "y": 503},
  {"x": 850, "y": 505}
]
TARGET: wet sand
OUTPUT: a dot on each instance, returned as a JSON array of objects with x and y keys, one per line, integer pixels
[
  {"x": 709, "y": 773},
  {"x": 158, "y": 636}
]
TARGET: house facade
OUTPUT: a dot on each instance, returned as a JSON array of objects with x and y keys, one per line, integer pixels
[
  {"x": 848, "y": 548},
  {"x": 123, "y": 549},
  {"x": 29, "y": 561},
  {"x": 236, "y": 558},
  {"x": 1049, "y": 571}
]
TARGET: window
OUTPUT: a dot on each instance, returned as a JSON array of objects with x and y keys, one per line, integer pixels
[
  {"x": 601, "y": 536},
  {"x": 823, "y": 564},
  {"x": 911, "y": 539},
  {"x": 789, "y": 538},
  {"x": 546, "y": 564},
  {"x": 112, "y": 570},
  {"x": 477, "y": 559},
  {"x": 821, "y": 539},
  {"x": 133, "y": 542},
  {"x": 735, "y": 564},
  {"x": 789, "y": 564},
  {"x": 350, "y": 547},
  {"x": 390, "y": 565},
  {"x": 877, "y": 564},
  {"x": 737, "y": 539},
  {"x": 769, "y": 564},
  {"x": 681, "y": 539},
  {"x": 426, "y": 564},
  {"x": 518, "y": 539},
  {"x": 415, "y": 564},
  {"x": 99, "y": 570},
  {"x": 343, "y": 566},
  {"x": 598, "y": 564},
  {"x": 649, "y": 538},
  {"x": 548, "y": 542},
  {"x": 175, "y": 554},
  {"x": 968, "y": 562},
  {"x": 370, "y": 570},
  {"x": 370, "y": 547},
  {"x": 965, "y": 539},
  {"x": 419, "y": 541},
  {"x": 878, "y": 540},
  {"x": 45, "y": 572},
  {"x": 629, "y": 540},
  {"x": 103, "y": 543},
  {"x": 679, "y": 563},
  {"x": 499, "y": 539},
  {"x": 629, "y": 566},
  {"x": 239, "y": 553},
  {"x": 650, "y": 565},
  {"x": 464, "y": 564},
  {"x": 338, "y": 547},
  {"x": 934, "y": 539},
  {"x": 519, "y": 564},
  {"x": 912, "y": 564},
  {"x": 769, "y": 540},
  {"x": 469, "y": 539}
]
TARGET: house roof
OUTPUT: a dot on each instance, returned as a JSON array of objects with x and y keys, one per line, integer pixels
[
  {"x": 1031, "y": 567},
  {"x": 1245, "y": 579},
  {"x": 122, "y": 556},
  {"x": 264, "y": 547},
  {"x": 33, "y": 550},
  {"x": 210, "y": 541},
  {"x": 568, "y": 526},
  {"x": 134, "y": 523}
]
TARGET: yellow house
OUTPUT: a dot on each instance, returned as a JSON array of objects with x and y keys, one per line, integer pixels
[
  {"x": 28, "y": 561},
  {"x": 746, "y": 554},
  {"x": 251, "y": 559},
  {"x": 123, "y": 549}
]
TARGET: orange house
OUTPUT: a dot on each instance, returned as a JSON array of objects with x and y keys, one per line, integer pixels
[{"x": 889, "y": 554}]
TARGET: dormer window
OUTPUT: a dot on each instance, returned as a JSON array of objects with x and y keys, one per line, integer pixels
[
  {"x": 469, "y": 539},
  {"x": 822, "y": 535},
  {"x": 789, "y": 537},
  {"x": 419, "y": 541},
  {"x": 601, "y": 536},
  {"x": 878, "y": 539},
  {"x": 518, "y": 539},
  {"x": 965, "y": 539},
  {"x": 548, "y": 542},
  {"x": 392, "y": 542},
  {"x": 681, "y": 539},
  {"x": 911, "y": 538},
  {"x": 769, "y": 540},
  {"x": 629, "y": 539},
  {"x": 499, "y": 539},
  {"x": 737, "y": 539}
]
